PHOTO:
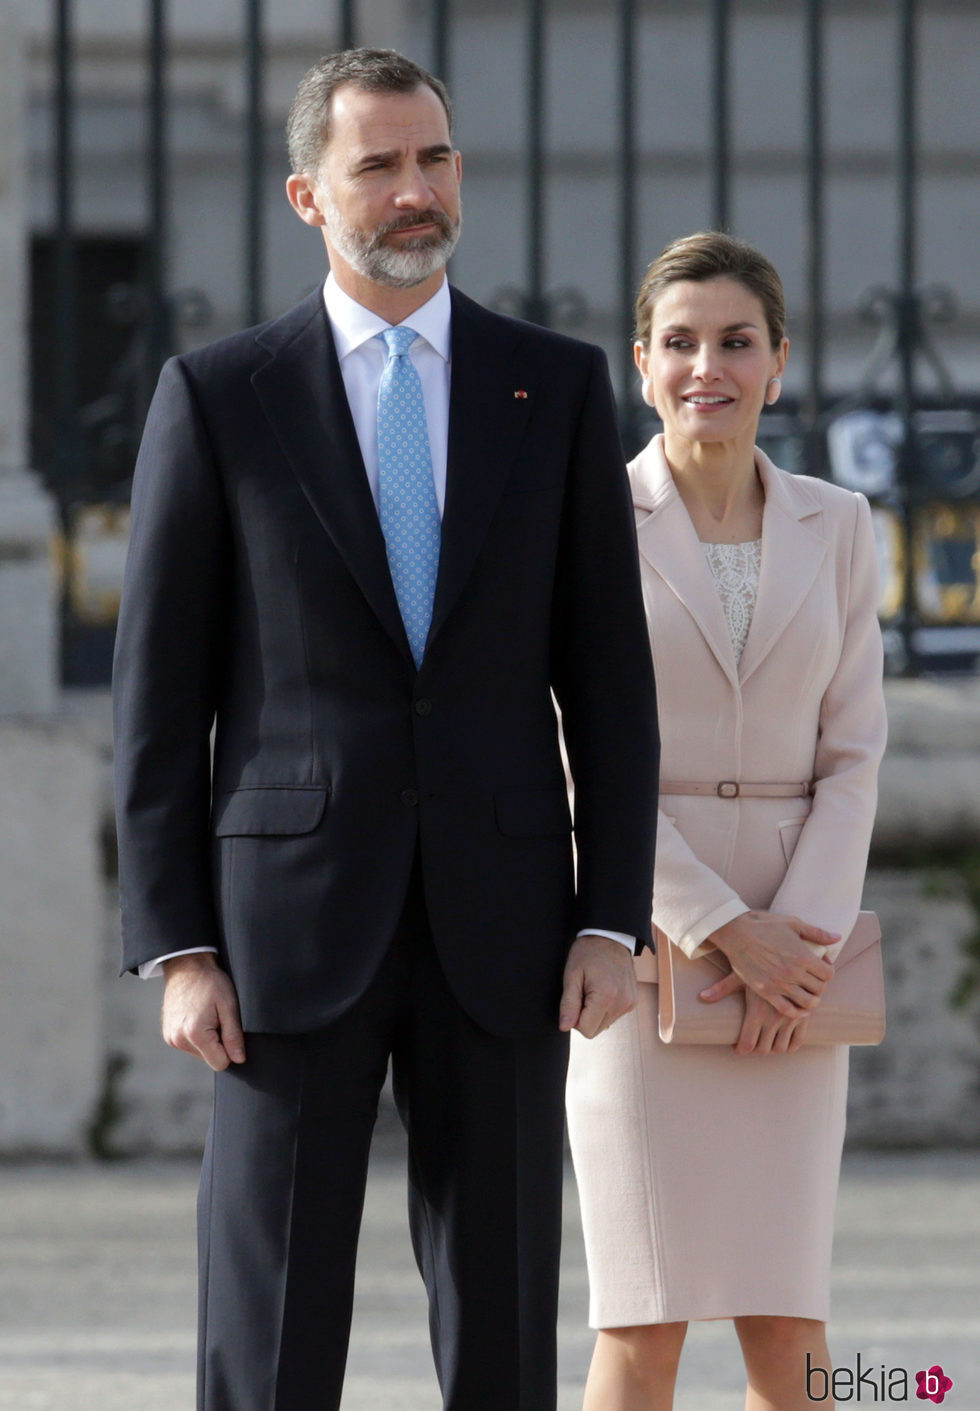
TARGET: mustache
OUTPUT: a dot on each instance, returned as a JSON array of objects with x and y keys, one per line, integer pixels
[{"x": 427, "y": 217}]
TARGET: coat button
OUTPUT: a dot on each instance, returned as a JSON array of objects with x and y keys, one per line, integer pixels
[
  {"x": 423, "y": 706},
  {"x": 410, "y": 797}
]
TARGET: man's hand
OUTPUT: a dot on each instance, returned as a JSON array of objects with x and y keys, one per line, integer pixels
[
  {"x": 200, "y": 1010},
  {"x": 599, "y": 985},
  {"x": 767, "y": 954}
]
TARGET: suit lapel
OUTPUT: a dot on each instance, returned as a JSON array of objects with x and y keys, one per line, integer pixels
[
  {"x": 302, "y": 393},
  {"x": 792, "y": 551},
  {"x": 486, "y": 424},
  {"x": 668, "y": 542}
]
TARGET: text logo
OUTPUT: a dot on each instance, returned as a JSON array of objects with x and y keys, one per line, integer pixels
[
  {"x": 933, "y": 1385},
  {"x": 867, "y": 1382}
]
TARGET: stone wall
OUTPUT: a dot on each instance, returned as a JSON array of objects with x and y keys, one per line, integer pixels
[
  {"x": 921, "y": 1086},
  {"x": 27, "y": 590},
  {"x": 930, "y": 777},
  {"x": 52, "y": 908}
]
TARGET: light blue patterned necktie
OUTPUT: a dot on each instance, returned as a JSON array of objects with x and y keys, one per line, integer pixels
[{"x": 407, "y": 503}]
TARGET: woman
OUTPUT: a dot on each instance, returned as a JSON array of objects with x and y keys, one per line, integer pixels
[{"x": 708, "y": 1175}]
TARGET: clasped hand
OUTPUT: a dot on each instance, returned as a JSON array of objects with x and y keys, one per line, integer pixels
[
  {"x": 768, "y": 956},
  {"x": 765, "y": 1030}
]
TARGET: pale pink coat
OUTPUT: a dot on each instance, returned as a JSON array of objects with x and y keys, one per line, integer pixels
[
  {"x": 804, "y": 703},
  {"x": 708, "y": 1180}
]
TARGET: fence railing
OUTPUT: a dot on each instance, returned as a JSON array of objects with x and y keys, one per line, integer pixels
[{"x": 915, "y": 451}]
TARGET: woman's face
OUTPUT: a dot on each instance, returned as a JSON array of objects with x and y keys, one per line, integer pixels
[{"x": 710, "y": 360}]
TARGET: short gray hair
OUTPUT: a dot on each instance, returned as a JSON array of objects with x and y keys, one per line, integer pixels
[{"x": 374, "y": 70}]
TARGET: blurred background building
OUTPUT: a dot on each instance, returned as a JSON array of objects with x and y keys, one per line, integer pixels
[
  {"x": 839, "y": 137},
  {"x": 142, "y": 211}
]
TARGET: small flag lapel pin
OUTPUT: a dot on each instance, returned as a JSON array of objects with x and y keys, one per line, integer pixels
[{"x": 521, "y": 395}]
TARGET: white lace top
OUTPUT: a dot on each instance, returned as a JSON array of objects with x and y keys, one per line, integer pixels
[{"x": 735, "y": 569}]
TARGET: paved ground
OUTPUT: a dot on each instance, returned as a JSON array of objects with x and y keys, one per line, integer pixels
[{"x": 96, "y": 1290}]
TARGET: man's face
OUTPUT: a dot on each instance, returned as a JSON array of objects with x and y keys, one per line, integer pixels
[{"x": 388, "y": 185}]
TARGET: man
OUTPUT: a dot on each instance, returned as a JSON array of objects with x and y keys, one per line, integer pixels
[{"x": 369, "y": 539}]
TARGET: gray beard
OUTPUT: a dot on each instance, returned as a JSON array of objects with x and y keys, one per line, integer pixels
[{"x": 413, "y": 263}]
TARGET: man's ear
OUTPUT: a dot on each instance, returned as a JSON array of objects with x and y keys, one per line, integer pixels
[{"x": 304, "y": 198}]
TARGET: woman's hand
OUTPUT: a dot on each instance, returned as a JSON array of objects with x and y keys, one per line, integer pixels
[
  {"x": 767, "y": 954},
  {"x": 765, "y": 1030}
]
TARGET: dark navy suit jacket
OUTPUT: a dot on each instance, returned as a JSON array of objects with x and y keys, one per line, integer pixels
[{"x": 258, "y": 600}]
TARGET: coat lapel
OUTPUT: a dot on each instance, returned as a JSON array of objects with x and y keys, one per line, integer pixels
[
  {"x": 486, "y": 425},
  {"x": 668, "y": 542},
  {"x": 302, "y": 393},
  {"x": 792, "y": 551}
]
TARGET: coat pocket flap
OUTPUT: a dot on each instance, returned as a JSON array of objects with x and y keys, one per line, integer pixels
[
  {"x": 532, "y": 813},
  {"x": 268, "y": 810}
]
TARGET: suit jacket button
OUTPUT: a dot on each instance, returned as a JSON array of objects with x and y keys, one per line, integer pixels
[
  {"x": 423, "y": 706},
  {"x": 410, "y": 797}
]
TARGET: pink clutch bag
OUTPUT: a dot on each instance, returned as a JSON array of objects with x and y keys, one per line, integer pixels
[{"x": 851, "y": 1009}]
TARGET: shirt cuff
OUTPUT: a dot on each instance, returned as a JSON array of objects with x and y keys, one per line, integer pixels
[
  {"x": 150, "y": 969},
  {"x": 694, "y": 942},
  {"x": 620, "y": 936}
]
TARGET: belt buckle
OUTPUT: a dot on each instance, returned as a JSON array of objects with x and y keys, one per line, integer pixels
[{"x": 727, "y": 789}]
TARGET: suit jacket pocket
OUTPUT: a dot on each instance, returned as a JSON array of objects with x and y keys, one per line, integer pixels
[
  {"x": 271, "y": 810},
  {"x": 532, "y": 813}
]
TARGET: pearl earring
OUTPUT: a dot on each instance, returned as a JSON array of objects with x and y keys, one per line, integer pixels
[
  {"x": 646, "y": 391},
  {"x": 773, "y": 389}
]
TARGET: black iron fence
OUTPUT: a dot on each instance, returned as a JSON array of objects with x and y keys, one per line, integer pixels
[{"x": 914, "y": 451}]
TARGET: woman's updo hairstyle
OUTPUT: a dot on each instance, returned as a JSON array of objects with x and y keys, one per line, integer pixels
[{"x": 711, "y": 254}]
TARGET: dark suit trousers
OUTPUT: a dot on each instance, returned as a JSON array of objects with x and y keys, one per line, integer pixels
[{"x": 283, "y": 1187}]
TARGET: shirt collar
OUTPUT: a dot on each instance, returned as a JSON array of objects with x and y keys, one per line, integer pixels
[{"x": 353, "y": 324}]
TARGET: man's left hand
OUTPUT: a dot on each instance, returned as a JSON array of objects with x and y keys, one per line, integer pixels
[{"x": 599, "y": 985}]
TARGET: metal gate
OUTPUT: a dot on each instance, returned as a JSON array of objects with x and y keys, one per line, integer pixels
[{"x": 917, "y": 458}]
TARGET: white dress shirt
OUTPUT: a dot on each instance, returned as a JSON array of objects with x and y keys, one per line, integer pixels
[{"x": 362, "y": 356}]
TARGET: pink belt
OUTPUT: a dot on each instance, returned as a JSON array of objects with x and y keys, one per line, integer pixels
[{"x": 732, "y": 789}]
